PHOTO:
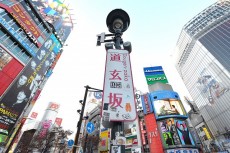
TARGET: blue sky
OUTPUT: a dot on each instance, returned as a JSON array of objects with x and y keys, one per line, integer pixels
[{"x": 154, "y": 30}]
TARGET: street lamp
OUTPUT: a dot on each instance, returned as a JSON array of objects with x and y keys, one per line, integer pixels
[
  {"x": 81, "y": 112},
  {"x": 117, "y": 22}
]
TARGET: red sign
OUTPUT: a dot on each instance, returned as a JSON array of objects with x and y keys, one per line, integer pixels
[
  {"x": 154, "y": 139},
  {"x": 142, "y": 133},
  {"x": 58, "y": 121},
  {"x": 34, "y": 115},
  {"x": 54, "y": 106},
  {"x": 146, "y": 103},
  {"x": 23, "y": 19}
]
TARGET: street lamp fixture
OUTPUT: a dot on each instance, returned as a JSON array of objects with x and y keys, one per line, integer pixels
[
  {"x": 117, "y": 22},
  {"x": 79, "y": 111},
  {"x": 117, "y": 19},
  {"x": 81, "y": 102}
]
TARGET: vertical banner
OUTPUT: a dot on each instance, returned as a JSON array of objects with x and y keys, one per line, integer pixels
[
  {"x": 118, "y": 97},
  {"x": 154, "y": 139},
  {"x": 146, "y": 104}
]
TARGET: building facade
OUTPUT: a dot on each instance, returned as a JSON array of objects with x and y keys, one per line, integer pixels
[
  {"x": 202, "y": 59},
  {"x": 30, "y": 45}
]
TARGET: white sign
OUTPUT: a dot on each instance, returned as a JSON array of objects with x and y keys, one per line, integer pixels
[
  {"x": 116, "y": 149},
  {"x": 118, "y": 97},
  {"x": 183, "y": 150}
]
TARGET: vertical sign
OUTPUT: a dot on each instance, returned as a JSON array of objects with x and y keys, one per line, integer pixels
[
  {"x": 118, "y": 96},
  {"x": 146, "y": 104},
  {"x": 153, "y": 134}
]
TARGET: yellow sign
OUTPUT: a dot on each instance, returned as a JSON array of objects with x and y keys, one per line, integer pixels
[
  {"x": 104, "y": 140},
  {"x": 207, "y": 133}
]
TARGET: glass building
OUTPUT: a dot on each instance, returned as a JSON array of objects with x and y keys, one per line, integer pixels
[{"x": 202, "y": 58}]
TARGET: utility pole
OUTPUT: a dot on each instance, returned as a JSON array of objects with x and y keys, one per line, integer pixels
[{"x": 87, "y": 89}]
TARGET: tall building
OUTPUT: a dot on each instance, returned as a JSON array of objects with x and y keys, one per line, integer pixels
[
  {"x": 202, "y": 58},
  {"x": 32, "y": 36}
]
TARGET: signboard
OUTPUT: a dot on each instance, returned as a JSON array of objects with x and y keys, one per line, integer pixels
[
  {"x": 167, "y": 104},
  {"x": 118, "y": 97},
  {"x": 104, "y": 135},
  {"x": 146, "y": 104},
  {"x": 90, "y": 127},
  {"x": 153, "y": 134},
  {"x": 70, "y": 143},
  {"x": 116, "y": 149},
  {"x": 58, "y": 121},
  {"x": 169, "y": 107},
  {"x": 183, "y": 150},
  {"x": 25, "y": 86},
  {"x": 155, "y": 74},
  {"x": 21, "y": 16},
  {"x": 142, "y": 133}
]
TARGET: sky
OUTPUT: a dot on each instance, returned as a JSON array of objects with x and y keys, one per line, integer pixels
[{"x": 155, "y": 26}]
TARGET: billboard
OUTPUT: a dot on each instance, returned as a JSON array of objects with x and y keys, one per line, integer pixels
[
  {"x": 155, "y": 74},
  {"x": 146, "y": 104},
  {"x": 24, "y": 20},
  {"x": 22, "y": 91},
  {"x": 154, "y": 139},
  {"x": 167, "y": 104},
  {"x": 174, "y": 133},
  {"x": 57, "y": 14},
  {"x": 118, "y": 97}
]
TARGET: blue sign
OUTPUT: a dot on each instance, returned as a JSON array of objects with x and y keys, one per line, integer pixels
[
  {"x": 70, "y": 143},
  {"x": 90, "y": 127},
  {"x": 98, "y": 95}
]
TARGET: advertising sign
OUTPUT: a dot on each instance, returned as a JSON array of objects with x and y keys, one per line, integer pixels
[
  {"x": 211, "y": 87},
  {"x": 155, "y": 74},
  {"x": 169, "y": 107},
  {"x": 146, "y": 104},
  {"x": 25, "y": 86},
  {"x": 21, "y": 16},
  {"x": 56, "y": 14},
  {"x": 183, "y": 132},
  {"x": 154, "y": 139},
  {"x": 142, "y": 133},
  {"x": 118, "y": 97},
  {"x": 183, "y": 150},
  {"x": 58, "y": 121},
  {"x": 104, "y": 135},
  {"x": 168, "y": 132}
]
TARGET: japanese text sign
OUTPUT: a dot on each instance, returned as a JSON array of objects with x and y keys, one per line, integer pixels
[{"x": 118, "y": 96}]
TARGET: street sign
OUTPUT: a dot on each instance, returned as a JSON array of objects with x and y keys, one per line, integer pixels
[
  {"x": 70, "y": 143},
  {"x": 118, "y": 97},
  {"x": 98, "y": 95},
  {"x": 90, "y": 127}
]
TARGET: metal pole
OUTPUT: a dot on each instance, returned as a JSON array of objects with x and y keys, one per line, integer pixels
[
  {"x": 118, "y": 126},
  {"x": 80, "y": 120}
]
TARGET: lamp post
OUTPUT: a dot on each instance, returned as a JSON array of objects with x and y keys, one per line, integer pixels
[
  {"x": 117, "y": 22},
  {"x": 81, "y": 112}
]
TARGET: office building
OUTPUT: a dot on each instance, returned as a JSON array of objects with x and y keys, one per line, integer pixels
[{"x": 202, "y": 58}]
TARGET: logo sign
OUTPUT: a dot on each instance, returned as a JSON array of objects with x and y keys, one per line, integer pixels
[
  {"x": 183, "y": 150},
  {"x": 118, "y": 97},
  {"x": 70, "y": 143},
  {"x": 155, "y": 74},
  {"x": 90, "y": 127}
]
